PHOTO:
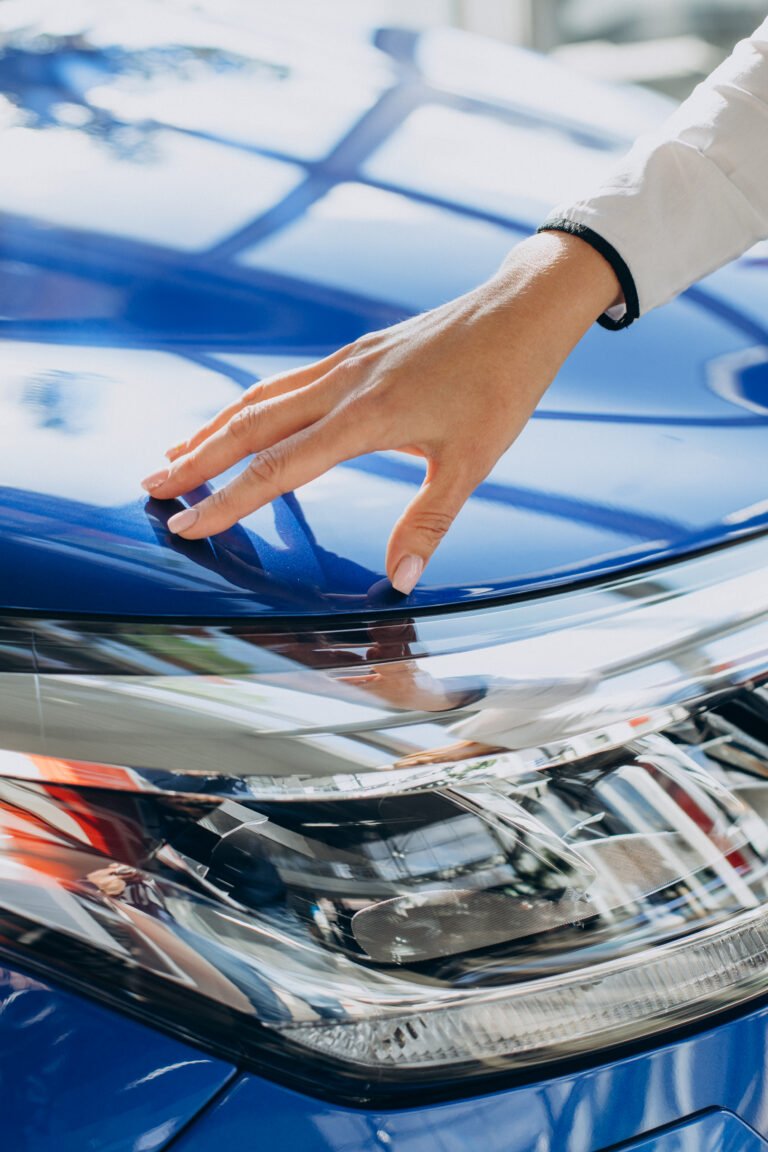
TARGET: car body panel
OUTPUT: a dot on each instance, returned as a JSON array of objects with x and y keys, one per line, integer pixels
[
  {"x": 74, "y": 1075},
  {"x": 583, "y": 1111},
  {"x": 718, "y": 1130},
  {"x": 133, "y": 309}
]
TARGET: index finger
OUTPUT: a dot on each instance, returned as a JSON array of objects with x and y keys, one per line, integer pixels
[{"x": 286, "y": 465}]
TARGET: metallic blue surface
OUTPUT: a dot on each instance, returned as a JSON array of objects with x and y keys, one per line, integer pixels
[
  {"x": 717, "y": 1132},
  {"x": 160, "y": 249},
  {"x": 74, "y": 1076},
  {"x": 723, "y": 1068},
  {"x": 166, "y": 242}
]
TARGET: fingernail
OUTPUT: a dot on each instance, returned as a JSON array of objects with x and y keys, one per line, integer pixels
[
  {"x": 155, "y": 480},
  {"x": 183, "y": 520},
  {"x": 177, "y": 450},
  {"x": 407, "y": 574}
]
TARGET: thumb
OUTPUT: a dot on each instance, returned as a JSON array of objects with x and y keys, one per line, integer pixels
[{"x": 424, "y": 524}]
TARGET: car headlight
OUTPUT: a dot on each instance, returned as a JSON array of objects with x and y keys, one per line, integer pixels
[{"x": 448, "y": 846}]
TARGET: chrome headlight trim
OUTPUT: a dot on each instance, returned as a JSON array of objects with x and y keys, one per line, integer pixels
[{"x": 387, "y": 705}]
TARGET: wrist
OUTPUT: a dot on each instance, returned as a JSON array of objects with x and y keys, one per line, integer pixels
[
  {"x": 548, "y": 292},
  {"x": 565, "y": 272}
]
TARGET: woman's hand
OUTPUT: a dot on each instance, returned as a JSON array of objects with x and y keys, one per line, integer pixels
[{"x": 455, "y": 385}]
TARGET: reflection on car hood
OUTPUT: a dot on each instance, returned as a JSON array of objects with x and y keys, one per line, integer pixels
[{"x": 192, "y": 206}]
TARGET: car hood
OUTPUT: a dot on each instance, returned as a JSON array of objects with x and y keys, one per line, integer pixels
[{"x": 195, "y": 205}]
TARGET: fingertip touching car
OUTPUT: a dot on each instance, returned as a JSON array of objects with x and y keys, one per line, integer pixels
[{"x": 288, "y": 860}]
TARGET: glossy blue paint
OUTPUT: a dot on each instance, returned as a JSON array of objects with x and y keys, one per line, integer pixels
[
  {"x": 723, "y": 1068},
  {"x": 74, "y": 1076},
  {"x": 175, "y": 226},
  {"x": 184, "y": 248},
  {"x": 717, "y": 1132}
]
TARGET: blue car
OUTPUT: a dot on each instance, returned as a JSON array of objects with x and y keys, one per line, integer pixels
[{"x": 288, "y": 860}]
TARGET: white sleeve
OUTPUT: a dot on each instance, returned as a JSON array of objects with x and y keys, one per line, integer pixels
[{"x": 689, "y": 196}]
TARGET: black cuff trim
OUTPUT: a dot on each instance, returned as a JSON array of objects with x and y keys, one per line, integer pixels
[{"x": 609, "y": 253}]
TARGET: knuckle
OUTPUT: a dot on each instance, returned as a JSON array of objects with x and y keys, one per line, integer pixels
[
  {"x": 216, "y": 507},
  {"x": 347, "y": 370},
  {"x": 433, "y": 524},
  {"x": 255, "y": 392},
  {"x": 265, "y": 468},
  {"x": 264, "y": 390},
  {"x": 354, "y": 366},
  {"x": 349, "y": 350},
  {"x": 244, "y": 423},
  {"x": 219, "y": 500},
  {"x": 366, "y": 343}
]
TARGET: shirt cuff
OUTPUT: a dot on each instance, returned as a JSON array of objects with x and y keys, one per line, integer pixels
[{"x": 620, "y": 315}]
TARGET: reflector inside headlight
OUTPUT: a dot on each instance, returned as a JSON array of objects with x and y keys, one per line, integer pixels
[{"x": 437, "y": 892}]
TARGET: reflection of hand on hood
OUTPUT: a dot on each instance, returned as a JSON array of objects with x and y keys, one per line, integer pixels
[
  {"x": 525, "y": 713},
  {"x": 504, "y": 713},
  {"x": 510, "y": 715}
]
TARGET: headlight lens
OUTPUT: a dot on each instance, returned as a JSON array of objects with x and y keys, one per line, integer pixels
[{"x": 437, "y": 892}]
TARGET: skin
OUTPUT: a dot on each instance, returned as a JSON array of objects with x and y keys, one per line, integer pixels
[{"x": 455, "y": 385}]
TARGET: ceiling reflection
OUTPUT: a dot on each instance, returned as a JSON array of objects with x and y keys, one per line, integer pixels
[{"x": 130, "y": 309}]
